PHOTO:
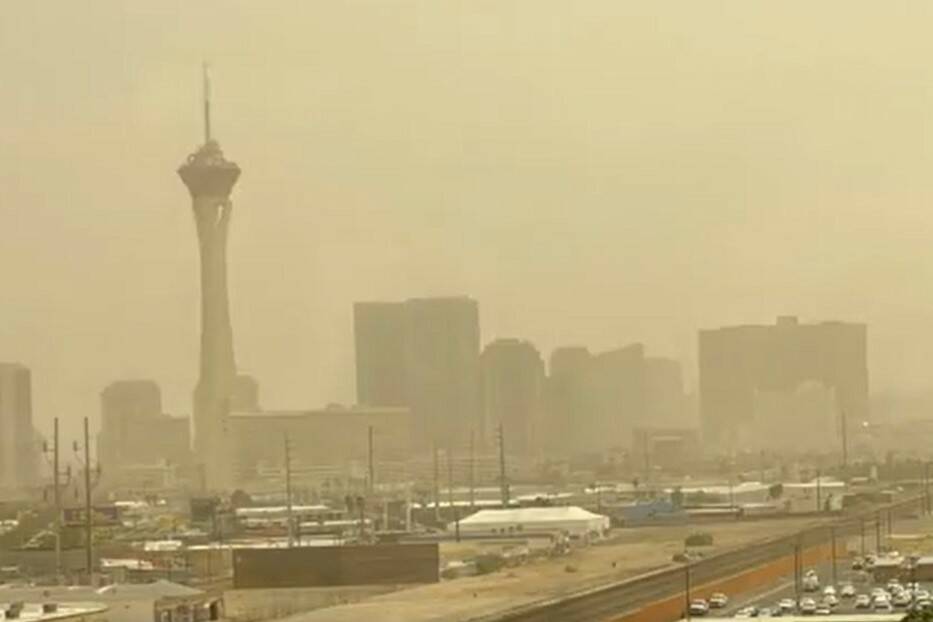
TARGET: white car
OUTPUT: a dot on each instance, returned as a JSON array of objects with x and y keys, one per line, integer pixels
[
  {"x": 831, "y": 600},
  {"x": 718, "y": 600},
  {"x": 863, "y": 601},
  {"x": 901, "y": 599},
  {"x": 829, "y": 591},
  {"x": 882, "y": 604},
  {"x": 787, "y": 605},
  {"x": 698, "y": 607},
  {"x": 847, "y": 591},
  {"x": 807, "y": 606}
]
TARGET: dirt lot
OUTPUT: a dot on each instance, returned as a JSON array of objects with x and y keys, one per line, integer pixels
[{"x": 631, "y": 552}]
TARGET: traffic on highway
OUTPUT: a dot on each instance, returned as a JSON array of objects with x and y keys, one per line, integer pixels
[{"x": 855, "y": 590}]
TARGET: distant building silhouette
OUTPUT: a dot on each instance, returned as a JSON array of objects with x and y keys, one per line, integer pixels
[
  {"x": 379, "y": 330},
  {"x": 594, "y": 402},
  {"x": 512, "y": 389},
  {"x": 135, "y": 432},
  {"x": 423, "y": 353},
  {"x": 665, "y": 399},
  {"x": 566, "y": 401},
  {"x": 326, "y": 440},
  {"x": 737, "y": 363},
  {"x": 245, "y": 397},
  {"x": 19, "y": 445}
]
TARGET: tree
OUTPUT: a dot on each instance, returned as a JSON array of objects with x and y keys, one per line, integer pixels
[
  {"x": 776, "y": 490},
  {"x": 677, "y": 498}
]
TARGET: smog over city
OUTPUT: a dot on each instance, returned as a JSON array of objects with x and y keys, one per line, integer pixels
[{"x": 430, "y": 311}]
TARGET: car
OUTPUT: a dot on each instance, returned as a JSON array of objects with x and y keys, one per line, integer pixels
[
  {"x": 879, "y": 592},
  {"x": 894, "y": 584},
  {"x": 787, "y": 605},
  {"x": 718, "y": 600},
  {"x": 698, "y": 607},
  {"x": 823, "y": 610},
  {"x": 922, "y": 605},
  {"x": 831, "y": 600},
  {"x": 767, "y": 612},
  {"x": 829, "y": 590},
  {"x": 922, "y": 594},
  {"x": 847, "y": 591},
  {"x": 747, "y": 612},
  {"x": 901, "y": 599},
  {"x": 863, "y": 601},
  {"x": 858, "y": 563},
  {"x": 882, "y": 606},
  {"x": 807, "y": 606}
]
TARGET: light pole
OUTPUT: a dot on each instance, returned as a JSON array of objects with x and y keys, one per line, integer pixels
[
  {"x": 687, "y": 587},
  {"x": 88, "y": 507},
  {"x": 57, "y": 497}
]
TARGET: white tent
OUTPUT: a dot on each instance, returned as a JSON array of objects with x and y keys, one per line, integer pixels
[{"x": 574, "y": 520}]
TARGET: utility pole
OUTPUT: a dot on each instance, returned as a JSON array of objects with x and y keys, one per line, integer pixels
[
  {"x": 797, "y": 571},
  {"x": 862, "y": 534},
  {"x": 845, "y": 446},
  {"x": 926, "y": 486},
  {"x": 58, "y": 507},
  {"x": 372, "y": 464},
  {"x": 288, "y": 493},
  {"x": 472, "y": 470},
  {"x": 450, "y": 479},
  {"x": 687, "y": 588},
  {"x": 503, "y": 478},
  {"x": 878, "y": 532},
  {"x": 57, "y": 498},
  {"x": 832, "y": 539},
  {"x": 88, "y": 507},
  {"x": 819, "y": 507},
  {"x": 437, "y": 489},
  {"x": 450, "y": 493}
]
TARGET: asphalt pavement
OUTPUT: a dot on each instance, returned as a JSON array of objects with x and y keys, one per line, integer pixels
[{"x": 784, "y": 588}]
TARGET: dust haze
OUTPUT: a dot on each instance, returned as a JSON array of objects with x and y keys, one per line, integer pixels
[{"x": 594, "y": 173}]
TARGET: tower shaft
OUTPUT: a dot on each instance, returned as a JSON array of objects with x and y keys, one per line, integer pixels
[{"x": 217, "y": 363}]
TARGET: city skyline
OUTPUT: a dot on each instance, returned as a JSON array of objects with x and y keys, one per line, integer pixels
[{"x": 328, "y": 167}]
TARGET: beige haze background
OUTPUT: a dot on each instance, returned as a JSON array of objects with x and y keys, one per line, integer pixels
[{"x": 594, "y": 172}]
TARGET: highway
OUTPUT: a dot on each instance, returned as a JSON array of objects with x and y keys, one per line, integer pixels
[{"x": 615, "y": 600}]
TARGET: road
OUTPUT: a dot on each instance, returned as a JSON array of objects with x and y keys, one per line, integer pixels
[{"x": 784, "y": 588}]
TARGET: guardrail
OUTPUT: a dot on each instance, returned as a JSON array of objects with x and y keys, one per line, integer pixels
[{"x": 618, "y": 598}]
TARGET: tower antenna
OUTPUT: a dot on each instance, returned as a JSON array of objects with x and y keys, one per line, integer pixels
[{"x": 207, "y": 103}]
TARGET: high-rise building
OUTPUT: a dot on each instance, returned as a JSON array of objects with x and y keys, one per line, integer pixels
[
  {"x": 442, "y": 369},
  {"x": 210, "y": 178},
  {"x": 18, "y": 442},
  {"x": 616, "y": 390},
  {"x": 512, "y": 389},
  {"x": 665, "y": 399},
  {"x": 424, "y": 354},
  {"x": 135, "y": 432},
  {"x": 380, "y": 340},
  {"x": 741, "y": 362},
  {"x": 594, "y": 402},
  {"x": 566, "y": 406}
]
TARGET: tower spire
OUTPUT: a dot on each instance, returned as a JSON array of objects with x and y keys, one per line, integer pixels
[{"x": 207, "y": 102}]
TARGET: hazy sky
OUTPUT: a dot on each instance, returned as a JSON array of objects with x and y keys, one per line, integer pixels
[{"x": 595, "y": 172}]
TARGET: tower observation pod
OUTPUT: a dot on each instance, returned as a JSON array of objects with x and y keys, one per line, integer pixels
[{"x": 210, "y": 178}]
